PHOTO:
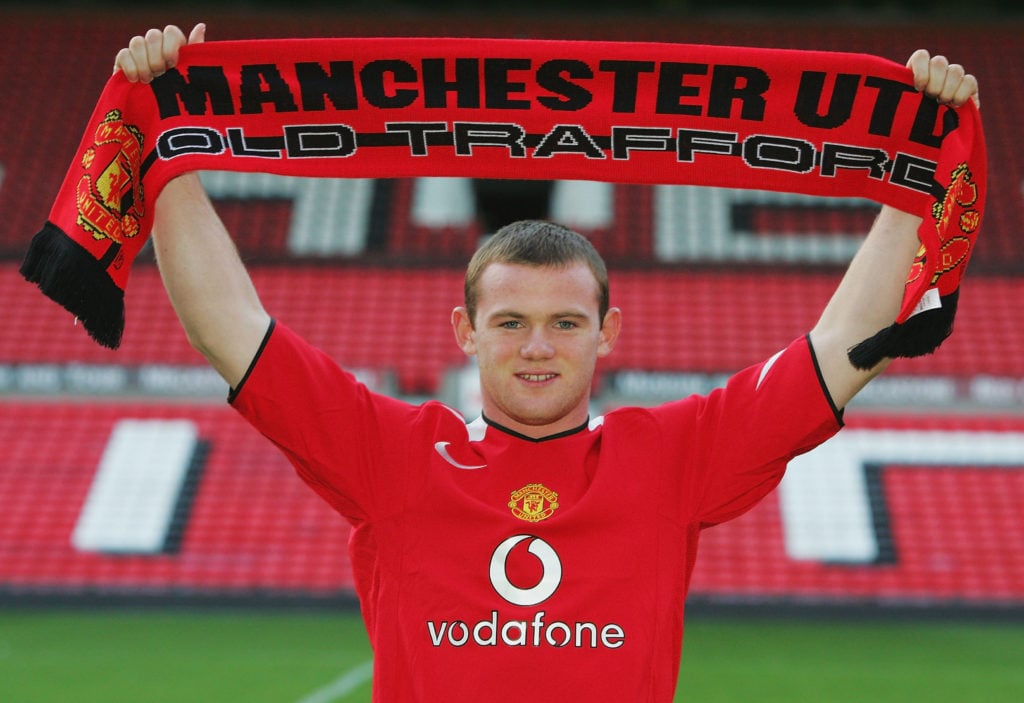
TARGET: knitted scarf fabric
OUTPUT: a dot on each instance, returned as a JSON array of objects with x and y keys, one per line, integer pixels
[{"x": 819, "y": 123}]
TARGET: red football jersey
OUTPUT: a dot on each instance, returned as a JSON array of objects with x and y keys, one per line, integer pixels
[{"x": 491, "y": 566}]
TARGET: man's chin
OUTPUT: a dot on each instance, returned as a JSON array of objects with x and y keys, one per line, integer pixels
[{"x": 536, "y": 424}]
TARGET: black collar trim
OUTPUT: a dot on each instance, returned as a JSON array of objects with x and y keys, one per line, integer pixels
[{"x": 520, "y": 435}]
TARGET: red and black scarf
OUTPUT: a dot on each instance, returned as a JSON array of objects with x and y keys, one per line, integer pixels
[{"x": 819, "y": 123}]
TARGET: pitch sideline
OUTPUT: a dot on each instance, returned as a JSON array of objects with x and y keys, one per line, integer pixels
[{"x": 341, "y": 686}]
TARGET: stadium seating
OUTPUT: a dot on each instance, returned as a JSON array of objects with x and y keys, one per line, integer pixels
[
  {"x": 709, "y": 322},
  {"x": 253, "y": 530},
  {"x": 252, "y": 527}
]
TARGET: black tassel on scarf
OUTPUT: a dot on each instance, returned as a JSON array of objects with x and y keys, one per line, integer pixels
[
  {"x": 919, "y": 335},
  {"x": 71, "y": 276}
]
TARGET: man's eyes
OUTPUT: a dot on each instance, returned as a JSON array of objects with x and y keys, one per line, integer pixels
[{"x": 559, "y": 324}]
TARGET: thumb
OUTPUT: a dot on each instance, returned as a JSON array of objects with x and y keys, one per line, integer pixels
[{"x": 198, "y": 34}]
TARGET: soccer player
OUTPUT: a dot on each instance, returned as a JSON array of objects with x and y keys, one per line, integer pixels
[{"x": 535, "y": 553}]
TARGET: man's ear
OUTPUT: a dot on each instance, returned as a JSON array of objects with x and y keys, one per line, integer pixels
[
  {"x": 462, "y": 326},
  {"x": 610, "y": 328}
]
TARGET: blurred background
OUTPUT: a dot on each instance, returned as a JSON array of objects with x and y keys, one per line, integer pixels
[{"x": 909, "y": 519}]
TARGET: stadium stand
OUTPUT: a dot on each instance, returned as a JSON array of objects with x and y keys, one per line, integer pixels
[
  {"x": 251, "y": 526},
  {"x": 945, "y": 532},
  {"x": 720, "y": 321},
  {"x": 252, "y": 530}
]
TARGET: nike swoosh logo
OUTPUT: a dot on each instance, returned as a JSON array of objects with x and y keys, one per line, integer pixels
[
  {"x": 442, "y": 449},
  {"x": 766, "y": 368}
]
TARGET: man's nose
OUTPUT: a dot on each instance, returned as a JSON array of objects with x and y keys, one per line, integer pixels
[{"x": 537, "y": 346}]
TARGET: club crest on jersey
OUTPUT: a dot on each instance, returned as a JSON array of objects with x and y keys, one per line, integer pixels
[
  {"x": 533, "y": 502},
  {"x": 109, "y": 194}
]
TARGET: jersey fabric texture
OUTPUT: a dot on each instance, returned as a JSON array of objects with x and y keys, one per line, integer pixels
[{"x": 491, "y": 566}]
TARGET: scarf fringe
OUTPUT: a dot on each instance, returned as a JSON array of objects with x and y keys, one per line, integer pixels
[
  {"x": 920, "y": 335},
  {"x": 69, "y": 275}
]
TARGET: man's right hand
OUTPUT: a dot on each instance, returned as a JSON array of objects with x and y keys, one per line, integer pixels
[{"x": 150, "y": 56}]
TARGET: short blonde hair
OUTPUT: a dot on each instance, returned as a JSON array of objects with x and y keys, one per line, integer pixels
[{"x": 536, "y": 243}]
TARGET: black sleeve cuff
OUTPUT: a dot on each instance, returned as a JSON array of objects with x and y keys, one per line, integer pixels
[
  {"x": 821, "y": 380},
  {"x": 233, "y": 393}
]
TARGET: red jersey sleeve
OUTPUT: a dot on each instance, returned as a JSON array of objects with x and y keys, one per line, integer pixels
[
  {"x": 737, "y": 441},
  {"x": 340, "y": 437}
]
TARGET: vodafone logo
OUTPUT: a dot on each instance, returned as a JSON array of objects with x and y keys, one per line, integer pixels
[
  {"x": 536, "y": 630},
  {"x": 550, "y": 578}
]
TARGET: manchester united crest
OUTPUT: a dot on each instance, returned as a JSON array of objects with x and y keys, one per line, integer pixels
[
  {"x": 110, "y": 191},
  {"x": 533, "y": 502},
  {"x": 956, "y": 218},
  {"x": 957, "y": 210}
]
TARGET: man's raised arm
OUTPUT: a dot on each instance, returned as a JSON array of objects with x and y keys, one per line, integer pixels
[
  {"x": 869, "y": 296},
  {"x": 205, "y": 279}
]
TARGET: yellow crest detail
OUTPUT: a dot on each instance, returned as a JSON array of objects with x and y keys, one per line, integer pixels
[
  {"x": 956, "y": 210},
  {"x": 110, "y": 191},
  {"x": 533, "y": 502}
]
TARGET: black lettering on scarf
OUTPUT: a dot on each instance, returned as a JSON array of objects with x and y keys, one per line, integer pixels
[
  {"x": 840, "y": 103},
  {"x": 206, "y": 86},
  {"x": 554, "y": 76},
  {"x": 337, "y": 84},
  {"x": 377, "y": 78},
  {"x": 499, "y": 86},
  {"x": 746, "y": 84},
  {"x": 466, "y": 83},
  {"x": 625, "y": 81},
  {"x": 672, "y": 88},
  {"x": 261, "y": 84}
]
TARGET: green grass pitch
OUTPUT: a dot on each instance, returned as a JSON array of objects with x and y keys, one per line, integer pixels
[{"x": 115, "y": 656}]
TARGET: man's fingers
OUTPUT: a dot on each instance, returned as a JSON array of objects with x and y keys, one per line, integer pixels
[
  {"x": 173, "y": 39},
  {"x": 198, "y": 34},
  {"x": 954, "y": 79},
  {"x": 137, "y": 57},
  {"x": 919, "y": 64},
  {"x": 155, "y": 52},
  {"x": 948, "y": 83},
  {"x": 937, "y": 69},
  {"x": 968, "y": 90},
  {"x": 124, "y": 62}
]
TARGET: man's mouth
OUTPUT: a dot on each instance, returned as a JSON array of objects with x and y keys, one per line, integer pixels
[{"x": 537, "y": 377}]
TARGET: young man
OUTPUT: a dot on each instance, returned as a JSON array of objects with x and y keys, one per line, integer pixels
[{"x": 535, "y": 552}]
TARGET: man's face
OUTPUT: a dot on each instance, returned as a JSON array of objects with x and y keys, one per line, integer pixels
[{"x": 537, "y": 337}]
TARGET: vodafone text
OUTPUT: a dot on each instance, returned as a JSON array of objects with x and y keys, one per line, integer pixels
[
  {"x": 536, "y": 632},
  {"x": 492, "y": 632}
]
